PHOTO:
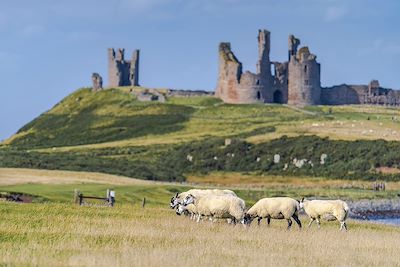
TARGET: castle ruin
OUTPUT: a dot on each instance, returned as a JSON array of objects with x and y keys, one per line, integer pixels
[
  {"x": 295, "y": 82},
  {"x": 122, "y": 72}
]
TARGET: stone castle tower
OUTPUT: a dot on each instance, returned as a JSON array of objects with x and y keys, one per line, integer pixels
[
  {"x": 123, "y": 72},
  {"x": 304, "y": 77}
]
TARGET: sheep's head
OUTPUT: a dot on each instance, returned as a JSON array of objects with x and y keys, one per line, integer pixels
[
  {"x": 189, "y": 199},
  {"x": 180, "y": 209},
  {"x": 302, "y": 203},
  {"x": 247, "y": 219},
  {"x": 174, "y": 201}
]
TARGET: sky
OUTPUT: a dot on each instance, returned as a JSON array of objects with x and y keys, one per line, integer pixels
[{"x": 49, "y": 48}]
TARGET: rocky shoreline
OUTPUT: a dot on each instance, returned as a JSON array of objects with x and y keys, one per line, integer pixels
[{"x": 375, "y": 209}]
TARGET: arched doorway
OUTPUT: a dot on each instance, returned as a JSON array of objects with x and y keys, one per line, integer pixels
[
  {"x": 258, "y": 95},
  {"x": 278, "y": 97}
]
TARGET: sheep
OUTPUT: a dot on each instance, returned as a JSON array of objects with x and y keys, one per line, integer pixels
[
  {"x": 189, "y": 210},
  {"x": 178, "y": 198},
  {"x": 327, "y": 209},
  {"x": 218, "y": 207},
  {"x": 274, "y": 208}
]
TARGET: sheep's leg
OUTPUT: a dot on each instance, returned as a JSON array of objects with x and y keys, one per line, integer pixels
[
  {"x": 198, "y": 218},
  {"x": 259, "y": 221},
  {"x": 312, "y": 220},
  {"x": 297, "y": 220},
  {"x": 289, "y": 223},
  {"x": 318, "y": 223},
  {"x": 343, "y": 226},
  {"x": 268, "y": 221}
]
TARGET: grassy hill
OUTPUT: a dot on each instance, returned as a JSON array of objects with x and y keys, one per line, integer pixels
[{"x": 111, "y": 131}]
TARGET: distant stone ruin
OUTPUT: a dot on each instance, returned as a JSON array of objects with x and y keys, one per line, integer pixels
[
  {"x": 160, "y": 95},
  {"x": 295, "y": 82},
  {"x": 97, "y": 81},
  {"x": 123, "y": 72},
  {"x": 149, "y": 95}
]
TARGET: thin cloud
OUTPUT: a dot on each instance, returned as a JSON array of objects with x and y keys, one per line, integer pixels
[
  {"x": 335, "y": 13},
  {"x": 380, "y": 46},
  {"x": 32, "y": 30}
]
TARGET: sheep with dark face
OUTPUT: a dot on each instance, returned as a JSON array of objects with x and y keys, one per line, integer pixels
[
  {"x": 217, "y": 207},
  {"x": 274, "y": 208},
  {"x": 327, "y": 209}
]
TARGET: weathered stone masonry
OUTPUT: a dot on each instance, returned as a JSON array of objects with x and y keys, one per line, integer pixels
[
  {"x": 233, "y": 85},
  {"x": 304, "y": 79},
  {"x": 295, "y": 82},
  {"x": 122, "y": 72}
]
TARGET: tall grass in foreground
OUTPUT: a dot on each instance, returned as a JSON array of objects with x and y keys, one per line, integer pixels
[{"x": 66, "y": 235}]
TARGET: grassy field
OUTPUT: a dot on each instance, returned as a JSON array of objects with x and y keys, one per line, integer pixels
[
  {"x": 59, "y": 186},
  {"x": 66, "y": 235},
  {"x": 56, "y": 232}
]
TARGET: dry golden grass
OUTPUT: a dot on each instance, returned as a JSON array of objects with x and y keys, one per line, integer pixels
[
  {"x": 66, "y": 235},
  {"x": 239, "y": 180},
  {"x": 11, "y": 176}
]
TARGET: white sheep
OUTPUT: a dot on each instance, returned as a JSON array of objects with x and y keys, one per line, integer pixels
[
  {"x": 274, "y": 208},
  {"x": 189, "y": 210},
  {"x": 217, "y": 207},
  {"x": 327, "y": 209},
  {"x": 178, "y": 198}
]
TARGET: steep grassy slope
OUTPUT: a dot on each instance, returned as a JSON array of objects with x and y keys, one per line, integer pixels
[{"x": 110, "y": 131}]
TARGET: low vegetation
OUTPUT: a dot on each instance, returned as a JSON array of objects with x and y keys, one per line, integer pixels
[{"x": 298, "y": 156}]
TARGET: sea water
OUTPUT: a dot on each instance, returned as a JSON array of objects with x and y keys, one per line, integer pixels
[{"x": 392, "y": 221}]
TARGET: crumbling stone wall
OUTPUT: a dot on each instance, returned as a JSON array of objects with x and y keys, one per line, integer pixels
[
  {"x": 123, "y": 72},
  {"x": 234, "y": 86},
  {"x": 343, "y": 94},
  {"x": 304, "y": 79},
  {"x": 280, "y": 86},
  {"x": 371, "y": 94}
]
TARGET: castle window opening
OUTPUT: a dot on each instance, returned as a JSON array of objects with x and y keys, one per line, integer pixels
[
  {"x": 258, "y": 82},
  {"x": 305, "y": 69},
  {"x": 258, "y": 95},
  {"x": 306, "y": 82}
]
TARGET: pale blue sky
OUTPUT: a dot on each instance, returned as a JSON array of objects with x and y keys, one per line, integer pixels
[{"x": 49, "y": 48}]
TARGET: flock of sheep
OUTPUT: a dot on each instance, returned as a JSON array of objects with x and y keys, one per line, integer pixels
[{"x": 225, "y": 204}]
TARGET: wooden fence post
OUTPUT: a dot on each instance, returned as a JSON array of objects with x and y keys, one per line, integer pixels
[
  {"x": 143, "y": 202},
  {"x": 80, "y": 199},
  {"x": 76, "y": 196}
]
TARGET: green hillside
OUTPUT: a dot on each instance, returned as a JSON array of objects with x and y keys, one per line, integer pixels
[{"x": 111, "y": 131}]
